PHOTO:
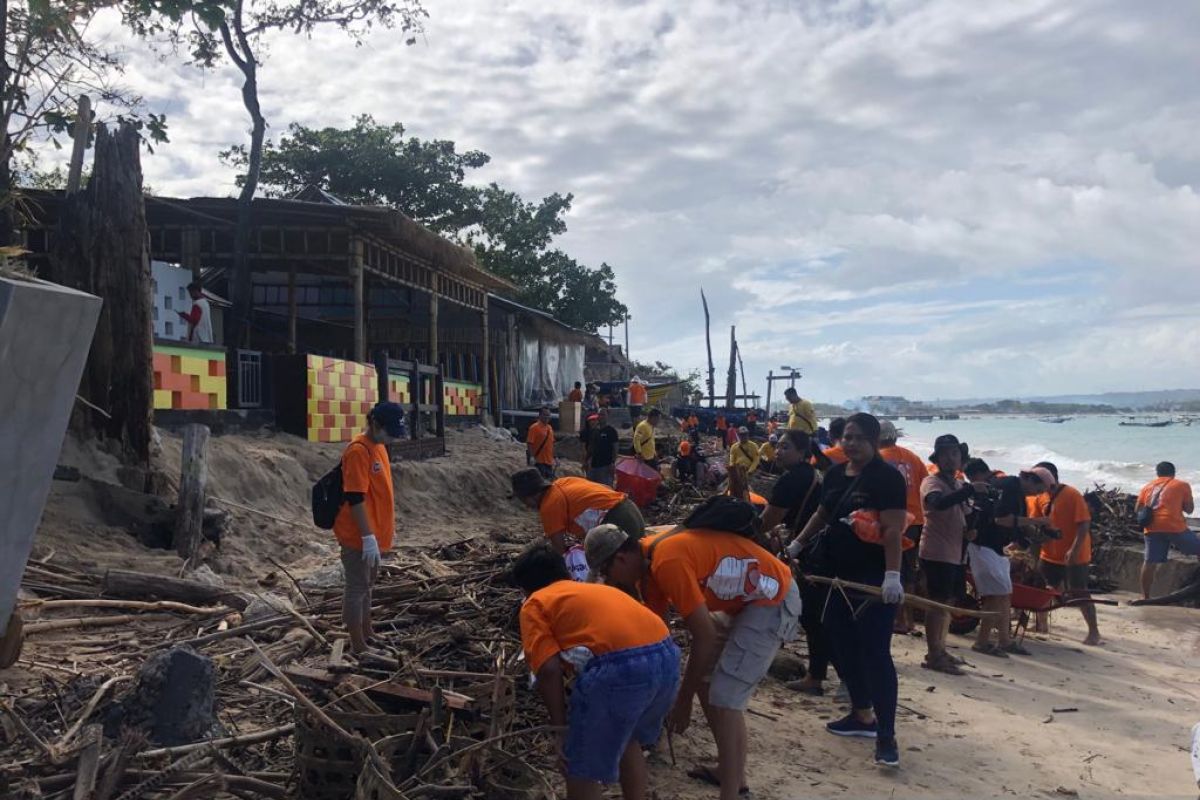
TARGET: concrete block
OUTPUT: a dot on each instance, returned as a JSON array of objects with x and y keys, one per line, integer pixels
[{"x": 45, "y": 334}]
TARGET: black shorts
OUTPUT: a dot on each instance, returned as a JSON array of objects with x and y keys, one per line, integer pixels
[
  {"x": 943, "y": 582},
  {"x": 1061, "y": 576},
  {"x": 908, "y": 559}
]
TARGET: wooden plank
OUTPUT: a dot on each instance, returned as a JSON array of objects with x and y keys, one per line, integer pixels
[
  {"x": 89, "y": 762},
  {"x": 192, "y": 484},
  {"x": 323, "y": 679}
]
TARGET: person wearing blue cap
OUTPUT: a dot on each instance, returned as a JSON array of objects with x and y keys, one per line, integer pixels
[{"x": 366, "y": 523}]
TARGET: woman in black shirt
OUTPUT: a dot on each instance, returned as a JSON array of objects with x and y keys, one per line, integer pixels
[{"x": 860, "y": 626}]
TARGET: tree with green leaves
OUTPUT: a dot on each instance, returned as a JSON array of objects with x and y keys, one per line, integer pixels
[
  {"x": 234, "y": 29},
  {"x": 426, "y": 179},
  {"x": 49, "y": 58},
  {"x": 373, "y": 164}
]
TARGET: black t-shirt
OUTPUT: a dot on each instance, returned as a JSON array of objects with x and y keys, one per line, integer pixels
[
  {"x": 1004, "y": 500},
  {"x": 789, "y": 493},
  {"x": 880, "y": 487},
  {"x": 602, "y": 446}
]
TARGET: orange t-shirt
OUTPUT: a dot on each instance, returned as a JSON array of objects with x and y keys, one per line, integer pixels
[
  {"x": 722, "y": 424},
  {"x": 836, "y": 454},
  {"x": 912, "y": 467},
  {"x": 576, "y": 505},
  {"x": 569, "y": 614},
  {"x": 723, "y": 571},
  {"x": 575, "y": 396},
  {"x": 693, "y": 421},
  {"x": 1066, "y": 508},
  {"x": 366, "y": 469},
  {"x": 540, "y": 439},
  {"x": 1169, "y": 505},
  {"x": 637, "y": 394},
  {"x": 685, "y": 448}
]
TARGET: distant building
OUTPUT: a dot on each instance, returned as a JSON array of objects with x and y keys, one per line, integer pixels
[
  {"x": 168, "y": 285},
  {"x": 884, "y": 404}
]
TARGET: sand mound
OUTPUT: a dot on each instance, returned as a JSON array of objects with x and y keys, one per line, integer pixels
[{"x": 462, "y": 494}]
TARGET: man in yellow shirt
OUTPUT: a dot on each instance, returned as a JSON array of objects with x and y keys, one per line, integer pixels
[
  {"x": 801, "y": 414},
  {"x": 745, "y": 452},
  {"x": 643, "y": 439},
  {"x": 766, "y": 453}
]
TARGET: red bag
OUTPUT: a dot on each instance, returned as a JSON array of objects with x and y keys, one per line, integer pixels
[{"x": 638, "y": 481}]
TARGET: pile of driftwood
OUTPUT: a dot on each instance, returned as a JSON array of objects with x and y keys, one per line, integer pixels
[{"x": 442, "y": 712}]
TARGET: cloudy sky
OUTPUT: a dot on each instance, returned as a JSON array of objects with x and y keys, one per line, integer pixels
[{"x": 930, "y": 198}]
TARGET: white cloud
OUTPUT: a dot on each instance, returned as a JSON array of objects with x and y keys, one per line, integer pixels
[{"x": 908, "y": 196}]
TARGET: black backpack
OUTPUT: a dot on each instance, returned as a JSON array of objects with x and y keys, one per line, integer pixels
[
  {"x": 724, "y": 513},
  {"x": 328, "y": 497}
]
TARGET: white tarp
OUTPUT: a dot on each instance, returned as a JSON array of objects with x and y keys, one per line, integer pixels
[{"x": 547, "y": 371}]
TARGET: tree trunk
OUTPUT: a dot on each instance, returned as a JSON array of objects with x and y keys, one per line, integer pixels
[
  {"x": 139, "y": 585},
  {"x": 193, "y": 483},
  {"x": 101, "y": 248}
]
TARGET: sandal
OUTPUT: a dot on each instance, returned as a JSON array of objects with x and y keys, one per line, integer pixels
[
  {"x": 943, "y": 663},
  {"x": 707, "y": 774},
  {"x": 989, "y": 649},
  {"x": 1016, "y": 649}
]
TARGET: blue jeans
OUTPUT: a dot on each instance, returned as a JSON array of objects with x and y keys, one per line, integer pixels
[
  {"x": 619, "y": 697},
  {"x": 863, "y": 645}
]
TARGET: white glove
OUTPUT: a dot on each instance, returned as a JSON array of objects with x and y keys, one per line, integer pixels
[
  {"x": 794, "y": 547},
  {"x": 893, "y": 591},
  {"x": 370, "y": 551}
]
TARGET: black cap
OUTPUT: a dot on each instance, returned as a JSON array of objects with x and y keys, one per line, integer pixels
[
  {"x": 391, "y": 417},
  {"x": 946, "y": 441}
]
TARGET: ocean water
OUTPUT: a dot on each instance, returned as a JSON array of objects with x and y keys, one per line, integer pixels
[{"x": 1087, "y": 450}]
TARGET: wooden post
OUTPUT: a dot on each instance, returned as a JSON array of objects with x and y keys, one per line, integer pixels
[
  {"x": 358, "y": 276},
  {"x": 434, "y": 361},
  {"x": 712, "y": 381},
  {"x": 485, "y": 377},
  {"x": 189, "y": 246},
  {"x": 83, "y": 124},
  {"x": 291, "y": 347},
  {"x": 731, "y": 375},
  {"x": 192, "y": 482},
  {"x": 89, "y": 762},
  {"x": 770, "y": 381}
]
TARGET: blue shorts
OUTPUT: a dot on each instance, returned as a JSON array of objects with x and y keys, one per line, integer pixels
[
  {"x": 1159, "y": 544},
  {"x": 619, "y": 697}
]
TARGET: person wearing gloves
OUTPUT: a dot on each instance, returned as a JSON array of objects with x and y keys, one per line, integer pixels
[
  {"x": 715, "y": 579},
  {"x": 365, "y": 524},
  {"x": 859, "y": 626}
]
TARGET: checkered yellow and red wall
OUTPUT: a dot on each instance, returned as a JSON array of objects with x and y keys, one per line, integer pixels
[
  {"x": 340, "y": 394},
  {"x": 188, "y": 378},
  {"x": 461, "y": 399}
]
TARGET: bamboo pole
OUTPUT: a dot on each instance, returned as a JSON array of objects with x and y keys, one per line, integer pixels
[{"x": 909, "y": 599}]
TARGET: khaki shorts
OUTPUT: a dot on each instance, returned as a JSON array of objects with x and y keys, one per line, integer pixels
[{"x": 756, "y": 636}]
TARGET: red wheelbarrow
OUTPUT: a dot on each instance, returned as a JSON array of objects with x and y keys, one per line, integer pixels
[{"x": 1026, "y": 600}]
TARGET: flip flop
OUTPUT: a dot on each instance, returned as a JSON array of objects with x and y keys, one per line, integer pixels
[
  {"x": 1016, "y": 649},
  {"x": 989, "y": 649},
  {"x": 944, "y": 664},
  {"x": 706, "y": 774}
]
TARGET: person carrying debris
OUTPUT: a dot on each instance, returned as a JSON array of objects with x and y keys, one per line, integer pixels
[
  {"x": 572, "y": 506},
  {"x": 1066, "y": 561},
  {"x": 643, "y": 439},
  {"x": 745, "y": 453},
  {"x": 1161, "y": 506},
  {"x": 366, "y": 522},
  {"x": 859, "y": 625},
  {"x": 801, "y": 414},
  {"x": 710, "y": 569},
  {"x": 626, "y": 667},
  {"x": 539, "y": 445}
]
